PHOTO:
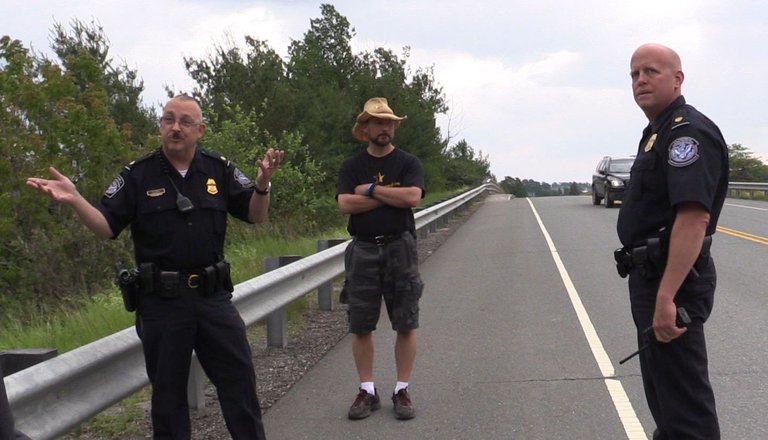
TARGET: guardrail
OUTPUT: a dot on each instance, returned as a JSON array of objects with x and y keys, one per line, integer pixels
[
  {"x": 55, "y": 396},
  {"x": 750, "y": 187}
]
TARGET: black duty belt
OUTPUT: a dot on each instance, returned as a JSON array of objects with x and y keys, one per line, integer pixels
[
  {"x": 188, "y": 278},
  {"x": 210, "y": 279},
  {"x": 380, "y": 240}
]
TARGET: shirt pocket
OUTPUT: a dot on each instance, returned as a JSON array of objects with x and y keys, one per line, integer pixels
[
  {"x": 156, "y": 216},
  {"x": 646, "y": 179},
  {"x": 214, "y": 210}
]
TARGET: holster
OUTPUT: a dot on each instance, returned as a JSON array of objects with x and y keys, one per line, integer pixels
[{"x": 128, "y": 282}]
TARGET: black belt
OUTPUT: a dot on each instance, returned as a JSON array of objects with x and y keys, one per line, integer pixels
[
  {"x": 380, "y": 240},
  {"x": 188, "y": 278}
]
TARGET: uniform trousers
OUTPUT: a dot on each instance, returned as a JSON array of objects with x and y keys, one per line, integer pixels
[
  {"x": 675, "y": 374},
  {"x": 170, "y": 328}
]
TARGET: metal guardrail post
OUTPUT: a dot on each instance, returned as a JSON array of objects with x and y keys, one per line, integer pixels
[
  {"x": 277, "y": 321},
  {"x": 325, "y": 291}
]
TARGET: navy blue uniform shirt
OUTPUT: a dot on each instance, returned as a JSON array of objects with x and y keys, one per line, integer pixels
[
  {"x": 143, "y": 196},
  {"x": 682, "y": 157}
]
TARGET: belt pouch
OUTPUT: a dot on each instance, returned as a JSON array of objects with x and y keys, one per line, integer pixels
[
  {"x": 169, "y": 282},
  {"x": 209, "y": 281},
  {"x": 147, "y": 277},
  {"x": 224, "y": 276}
]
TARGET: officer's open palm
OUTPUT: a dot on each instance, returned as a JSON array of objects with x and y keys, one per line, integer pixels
[{"x": 60, "y": 189}]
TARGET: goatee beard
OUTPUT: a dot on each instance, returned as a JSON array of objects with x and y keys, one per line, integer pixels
[{"x": 381, "y": 140}]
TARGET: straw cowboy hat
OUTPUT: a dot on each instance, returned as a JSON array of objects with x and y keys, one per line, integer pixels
[{"x": 374, "y": 108}]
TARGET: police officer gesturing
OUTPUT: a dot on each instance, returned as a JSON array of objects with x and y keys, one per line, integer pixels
[
  {"x": 176, "y": 201},
  {"x": 676, "y": 191}
]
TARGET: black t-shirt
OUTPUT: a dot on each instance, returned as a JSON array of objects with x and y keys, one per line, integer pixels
[
  {"x": 143, "y": 196},
  {"x": 682, "y": 157},
  {"x": 396, "y": 169}
]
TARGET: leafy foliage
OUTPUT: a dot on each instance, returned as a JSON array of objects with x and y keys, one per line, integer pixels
[{"x": 745, "y": 167}]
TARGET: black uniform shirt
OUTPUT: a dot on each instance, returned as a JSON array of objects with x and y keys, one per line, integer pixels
[
  {"x": 396, "y": 169},
  {"x": 682, "y": 157},
  {"x": 143, "y": 196}
]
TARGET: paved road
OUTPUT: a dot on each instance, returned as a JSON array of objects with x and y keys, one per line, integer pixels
[{"x": 523, "y": 323}]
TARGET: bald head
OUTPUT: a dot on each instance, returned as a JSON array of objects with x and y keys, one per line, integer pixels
[
  {"x": 664, "y": 54},
  {"x": 189, "y": 102},
  {"x": 657, "y": 78}
]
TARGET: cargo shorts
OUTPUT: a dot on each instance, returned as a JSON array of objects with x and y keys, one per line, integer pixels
[{"x": 387, "y": 271}]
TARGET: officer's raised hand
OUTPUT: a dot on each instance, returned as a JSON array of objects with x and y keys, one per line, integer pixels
[{"x": 268, "y": 166}]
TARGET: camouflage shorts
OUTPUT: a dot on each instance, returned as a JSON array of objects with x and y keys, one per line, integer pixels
[{"x": 389, "y": 272}]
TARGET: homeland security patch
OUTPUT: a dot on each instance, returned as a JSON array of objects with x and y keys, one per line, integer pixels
[
  {"x": 242, "y": 179},
  {"x": 683, "y": 151},
  {"x": 115, "y": 187}
]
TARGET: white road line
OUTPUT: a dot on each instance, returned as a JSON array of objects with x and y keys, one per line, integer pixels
[
  {"x": 747, "y": 207},
  {"x": 627, "y": 415}
]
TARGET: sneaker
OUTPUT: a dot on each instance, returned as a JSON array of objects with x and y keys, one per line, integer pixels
[
  {"x": 363, "y": 405},
  {"x": 403, "y": 406}
]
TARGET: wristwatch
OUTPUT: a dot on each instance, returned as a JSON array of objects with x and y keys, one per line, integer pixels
[{"x": 262, "y": 192}]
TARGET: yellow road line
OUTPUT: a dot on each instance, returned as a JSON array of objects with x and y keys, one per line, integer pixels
[{"x": 744, "y": 235}]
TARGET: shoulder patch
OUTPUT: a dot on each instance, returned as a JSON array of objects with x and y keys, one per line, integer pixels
[
  {"x": 242, "y": 179},
  {"x": 115, "y": 187},
  {"x": 683, "y": 151}
]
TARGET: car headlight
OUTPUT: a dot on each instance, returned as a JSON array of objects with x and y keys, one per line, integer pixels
[{"x": 616, "y": 182}]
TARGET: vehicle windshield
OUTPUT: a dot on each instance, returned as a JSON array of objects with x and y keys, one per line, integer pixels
[{"x": 620, "y": 166}]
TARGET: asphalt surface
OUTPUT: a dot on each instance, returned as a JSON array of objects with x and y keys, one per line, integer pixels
[{"x": 520, "y": 337}]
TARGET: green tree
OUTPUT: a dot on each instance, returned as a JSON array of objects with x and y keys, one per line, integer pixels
[
  {"x": 60, "y": 116},
  {"x": 84, "y": 52},
  {"x": 514, "y": 186},
  {"x": 255, "y": 83},
  {"x": 745, "y": 167},
  {"x": 463, "y": 167}
]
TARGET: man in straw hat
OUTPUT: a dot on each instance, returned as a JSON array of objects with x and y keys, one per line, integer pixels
[{"x": 378, "y": 187}]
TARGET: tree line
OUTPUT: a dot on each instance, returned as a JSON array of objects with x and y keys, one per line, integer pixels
[{"x": 81, "y": 112}]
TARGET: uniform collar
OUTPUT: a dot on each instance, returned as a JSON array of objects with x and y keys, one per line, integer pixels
[{"x": 667, "y": 114}]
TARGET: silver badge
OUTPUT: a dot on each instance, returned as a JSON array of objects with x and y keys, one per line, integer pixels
[
  {"x": 683, "y": 151},
  {"x": 242, "y": 179},
  {"x": 115, "y": 187}
]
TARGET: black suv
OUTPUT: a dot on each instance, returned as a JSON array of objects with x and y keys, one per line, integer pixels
[{"x": 610, "y": 179}]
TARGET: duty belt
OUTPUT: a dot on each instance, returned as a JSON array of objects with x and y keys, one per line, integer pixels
[
  {"x": 650, "y": 258},
  {"x": 169, "y": 282}
]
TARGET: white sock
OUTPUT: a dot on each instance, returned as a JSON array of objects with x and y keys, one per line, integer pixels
[
  {"x": 368, "y": 387},
  {"x": 400, "y": 385}
]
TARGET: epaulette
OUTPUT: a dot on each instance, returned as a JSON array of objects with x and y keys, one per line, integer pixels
[
  {"x": 139, "y": 160},
  {"x": 215, "y": 155},
  {"x": 679, "y": 119}
]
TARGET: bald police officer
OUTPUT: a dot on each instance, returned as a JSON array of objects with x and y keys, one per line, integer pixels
[
  {"x": 676, "y": 191},
  {"x": 176, "y": 201}
]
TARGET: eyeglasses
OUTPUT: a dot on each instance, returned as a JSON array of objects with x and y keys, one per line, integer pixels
[{"x": 183, "y": 122}]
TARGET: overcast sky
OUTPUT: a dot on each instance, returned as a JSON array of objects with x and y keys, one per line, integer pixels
[{"x": 542, "y": 87}]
